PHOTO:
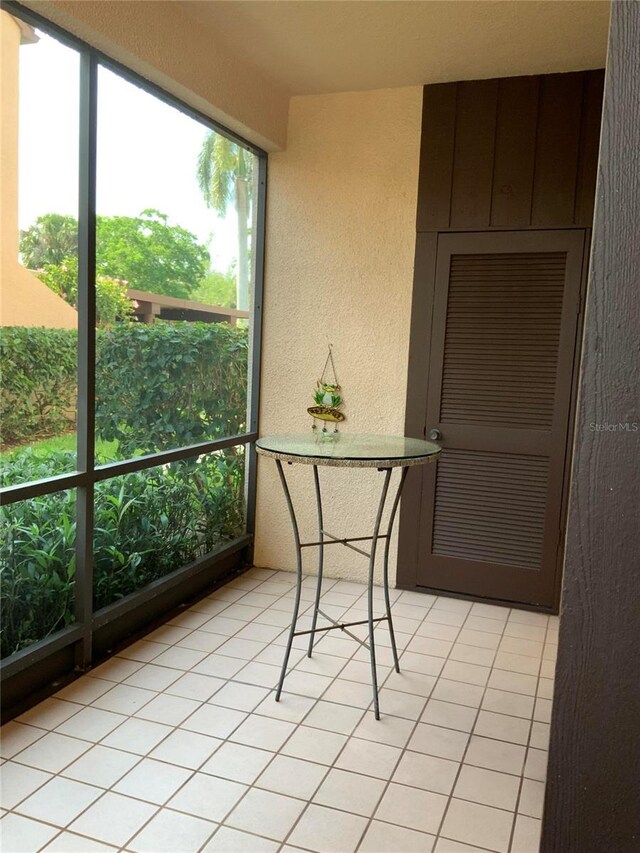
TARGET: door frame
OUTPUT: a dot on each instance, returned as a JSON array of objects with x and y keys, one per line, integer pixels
[{"x": 411, "y": 508}]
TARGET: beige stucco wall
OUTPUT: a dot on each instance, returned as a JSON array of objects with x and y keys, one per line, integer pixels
[
  {"x": 24, "y": 299},
  {"x": 163, "y": 43},
  {"x": 340, "y": 250}
]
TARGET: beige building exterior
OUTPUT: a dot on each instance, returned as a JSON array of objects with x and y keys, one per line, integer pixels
[{"x": 24, "y": 299}]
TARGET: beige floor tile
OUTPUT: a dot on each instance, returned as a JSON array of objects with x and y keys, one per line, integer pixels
[
  {"x": 515, "y": 682},
  {"x": 291, "y": 708},
  {"x": 59, "y": 801},
  {"x": 169, "y": 832},
  {"x": 259, "y": 632},
  {"x": 50, "y": 713},
  {"x": 472, "y": 654},
  {"x": 228, "y": 840},
  {"x": 113, "y": 819},
  {"x": 517, "y": 663},
  {"x": 385, "y": 837},
  {"x": 394, "y": 731},
  {"x": 393, "y": 703},
  {"x": 153, "y": 781},
  {"x": 219, "y": 666},
  {"x": 525, "y": 617},
  {"x": 470, "y": 673},
  {"x": 430, "y": 646},
  {"x": 333, "y": 717},
  {"x": 548, "y": 669},
  {"x": 123, "y": 699},
  {"x": 261, "y": 674},
  {"x": 19, "y": 782},
  {"x": 525, "y": 632},
  {"x": 15, "y": 737},
  {"x": 411, "y": 807},
  {"x": 189, "y": 619},
  {"x": 531, "y": 798},
  {"x": 323, "y": 664},
  {"x": 242, "y": 697},
  {"x": 91, "y": 724},
  {"x": 321, "y": 829},
  {"x": 445, "y": 617},
  {"x": 314, "y": 745},
  {"x": 437, "y": 631},
  {"x": 479, "y": 639},
  {"x": 53, "y": 752},
  {"x": 478, "y": 825},
  {"x": 446, "y": 845},
  {"x": 168, "y": 634},
  {"x": 545, "y": 688},
  {"x": 438, "y": 741},
  {"x": 207, "y": 797},
  {"x": 449, "y": 715},
  {"x": 526, "y": 835},
  {"x": 84, "y": 690},
  {"x": 186, "y": 749},
  {"x": 350, "y": 792},
  {"x": 495, "y": 755},
  {"x": 540, "y": 735},
  {"x": 202, "y": 641},
  {"x": 490, "y": 611},
  {"x": 223, "y": 626},
  {"x": 487, "y": 787},
  {"x": 237, "y": 762},
  {"x": 264, "y": 812},
  {"x": 502, "y": 727},
  {"x": 536, "y": 764},
  {"x": 424, "y": 664},
  {"x": 427, "y": 772},
  {"x": 350, "y": 693},
  {"x": 521, "y": 647},
  {"x": 143, "y": 651},
  {"x": 503, "y": 702},
  {"x": 22, "y": 835},
  {"x": 306, "y": 683},
  {"x": 167, "y": 709},
  {"x": 481, "y": 623},
  {"x": 69, "y": 842},
  {"x": 101, "y": 766},
  {"x": 263, "y": 732},
  {"x": 192, "y": 685},
  {"x": 292, "y": 776},
  {"x": 152, "y": 677},
  {"x": 458, "y": 693},
  {"x": 372, "y": 759},
  {"x": 542, "y": 710},
  {"x": 138, "y": 736},
  {"x": 116, "y": 669},
  {"x": 178, "y": 657},
  {"x": 405, "y": 681}
]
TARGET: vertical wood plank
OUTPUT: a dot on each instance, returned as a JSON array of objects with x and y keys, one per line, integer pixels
[
  {"x": 473, "y": 156},
  {"x": 557, "y": 147},
  {"x": 436, "y": 156},
  {"x": 589, "y": 144},
  {"x": 514, "y": 151},
  {"x": 594, "y": 762}
]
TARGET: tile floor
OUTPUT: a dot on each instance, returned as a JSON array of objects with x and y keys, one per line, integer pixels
[{"x": 176, "y": 744}]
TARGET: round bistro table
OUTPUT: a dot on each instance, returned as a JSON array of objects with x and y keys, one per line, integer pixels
[{"x": 383, "y": 452}]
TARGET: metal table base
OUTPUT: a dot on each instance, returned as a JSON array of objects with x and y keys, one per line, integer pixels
[{"x": 325, "y": 538}]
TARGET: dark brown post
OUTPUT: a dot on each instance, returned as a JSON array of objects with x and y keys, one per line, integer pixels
[{"x": 593, "y": 790}]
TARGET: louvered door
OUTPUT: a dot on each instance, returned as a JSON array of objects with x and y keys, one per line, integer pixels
[{"x": 502, "y": 351}]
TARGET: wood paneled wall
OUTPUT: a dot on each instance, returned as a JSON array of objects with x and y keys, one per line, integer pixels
[{"x": 516, "y": 152}]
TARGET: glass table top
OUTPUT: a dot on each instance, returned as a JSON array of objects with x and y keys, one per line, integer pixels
[{"x": 349, "y": 450}]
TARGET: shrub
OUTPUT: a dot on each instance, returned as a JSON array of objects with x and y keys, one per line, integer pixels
[
  {"x": 170, "y": 384},
  {"x": 146, "y": 525},
  {"x": 37, "y": 382}
]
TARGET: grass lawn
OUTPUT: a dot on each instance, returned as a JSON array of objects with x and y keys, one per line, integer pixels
[{"x": 106, "y": 451}]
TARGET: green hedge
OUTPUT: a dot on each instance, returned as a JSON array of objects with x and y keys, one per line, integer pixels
[
  {"x": 157, "y": 387},
  {"x": 37, "y": 382}
]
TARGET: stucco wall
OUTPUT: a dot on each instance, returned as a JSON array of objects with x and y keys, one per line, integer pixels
[
  {"x": 340, "y": 251},
  {"x": 24, "y": 299}
]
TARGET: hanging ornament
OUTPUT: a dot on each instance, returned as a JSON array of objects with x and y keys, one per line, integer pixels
[{"x": 328, "y": 400}]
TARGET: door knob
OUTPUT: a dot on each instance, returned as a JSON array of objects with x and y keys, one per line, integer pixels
[{"x": 435, "y": 435}]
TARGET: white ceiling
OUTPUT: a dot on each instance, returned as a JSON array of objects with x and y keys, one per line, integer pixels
[{"x": 316, "y": 46}]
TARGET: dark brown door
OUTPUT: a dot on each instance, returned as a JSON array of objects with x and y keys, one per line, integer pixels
[{"x": 499, "y": 389}]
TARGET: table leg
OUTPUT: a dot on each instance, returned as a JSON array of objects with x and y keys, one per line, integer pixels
[
  {"x": 296, "y": 606},
  {"x": 372, "y": 560},
  {"x": 314, "y": 619},
  {"x": 392, "y": 518}
]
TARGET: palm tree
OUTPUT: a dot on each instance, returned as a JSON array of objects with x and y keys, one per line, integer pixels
[{"x": 224, "y": 174}]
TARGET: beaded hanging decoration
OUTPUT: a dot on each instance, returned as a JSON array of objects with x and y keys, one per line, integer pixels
[{"x": 328, "y": 400}]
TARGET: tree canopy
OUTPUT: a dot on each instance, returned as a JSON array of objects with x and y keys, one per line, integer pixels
[{"x": 145, "y": 251}]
